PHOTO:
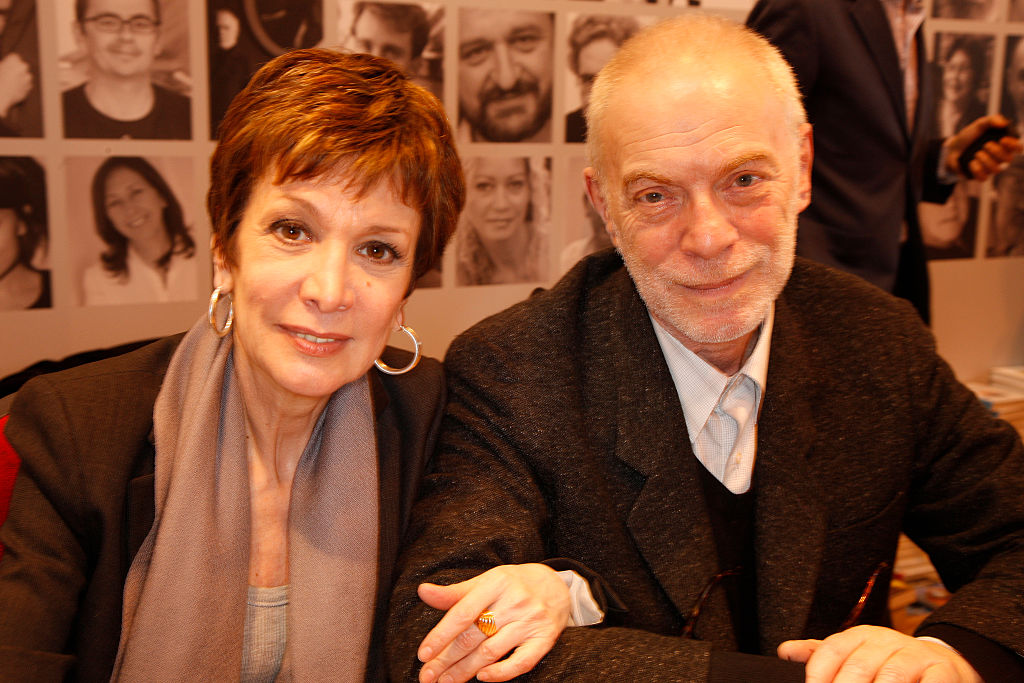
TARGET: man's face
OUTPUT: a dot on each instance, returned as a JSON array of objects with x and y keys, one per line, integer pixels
[
  {"x": 593, "y": 56},
  {"x": 1015, "y": 80},
  {"x": 505, "y": 72},
  {"x": 371, "y": 34},
  {"x": 122, "y": 53},
  {"x": 703, "y": 179}
]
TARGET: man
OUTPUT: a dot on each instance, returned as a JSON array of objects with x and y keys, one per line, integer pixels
[
  {"x": 725, "y": 442},
  {"x": 398, "y": 32},
  {"x": 863, "y": 72},
  {"x": 505, "y": 81},
  {"x": 121, "y": 39},
  {"x": 1006, "y": 236},
  {"x": 593, "y": 40}
]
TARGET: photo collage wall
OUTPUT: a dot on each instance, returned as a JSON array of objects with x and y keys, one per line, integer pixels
[{"x": 107, "y": 121}]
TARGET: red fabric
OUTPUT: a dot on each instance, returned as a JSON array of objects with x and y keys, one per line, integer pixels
[{"x": 9, "y": 463}]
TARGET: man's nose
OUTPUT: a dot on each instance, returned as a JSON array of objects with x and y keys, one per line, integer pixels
[
  {"x": 710, "y": 231},
  {"x": 505, "y": 68}
]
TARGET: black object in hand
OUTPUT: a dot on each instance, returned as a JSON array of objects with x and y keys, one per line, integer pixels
[{"x": 994, "y": 134}]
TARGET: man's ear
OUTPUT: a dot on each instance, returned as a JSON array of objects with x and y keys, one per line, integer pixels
[
  {"x": 806, "y": 161},
  {"x": 596, "y": 194},
  {"x": 221, "y": 273}
]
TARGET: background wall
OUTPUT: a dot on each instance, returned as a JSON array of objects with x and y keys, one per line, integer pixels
[{"x": 978, "y": 300}]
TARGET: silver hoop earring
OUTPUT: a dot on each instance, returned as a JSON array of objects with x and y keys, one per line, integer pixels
[
  {"x": 211, "y": 313},
  {"x": 387, "y": 370}
]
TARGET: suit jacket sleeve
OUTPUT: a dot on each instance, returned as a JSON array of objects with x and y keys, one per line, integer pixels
[{"x": 790, "y": 28}]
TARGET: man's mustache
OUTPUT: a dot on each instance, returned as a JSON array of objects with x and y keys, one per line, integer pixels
[{"x": 522, "y": 86}]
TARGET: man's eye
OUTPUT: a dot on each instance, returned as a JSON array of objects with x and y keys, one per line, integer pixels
[
  {"x": 746, "y": 180},
  {"x": 652, "y": 197},
  {"x": 525, "y": 43},
  {"x": 475, "y": 54}
]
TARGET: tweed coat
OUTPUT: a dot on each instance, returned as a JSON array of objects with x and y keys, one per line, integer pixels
[
  {"x": 872, "y": 164},
  {"x": 83, "y": 503},
  {"x": 564, "y": 438}
]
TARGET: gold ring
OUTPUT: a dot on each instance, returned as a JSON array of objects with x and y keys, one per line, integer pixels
[{"x": 485, "y": 622}]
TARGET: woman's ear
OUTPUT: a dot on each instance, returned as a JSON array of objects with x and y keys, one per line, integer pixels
[{"x": 221, "y": 272}]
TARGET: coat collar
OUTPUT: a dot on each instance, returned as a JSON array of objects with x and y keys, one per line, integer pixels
[{"x": 669, "y": 521}]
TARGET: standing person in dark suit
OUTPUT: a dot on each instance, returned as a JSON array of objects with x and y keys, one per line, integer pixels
[
  {"x": 869, "y": 97},
  {"x": 726, "y": 440}
]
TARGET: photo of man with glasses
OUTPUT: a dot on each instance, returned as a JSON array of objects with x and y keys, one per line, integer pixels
[{"x": 121, "y": 39}]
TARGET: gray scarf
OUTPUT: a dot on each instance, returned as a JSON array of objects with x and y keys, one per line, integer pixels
[{"x": 185, "y": 595}]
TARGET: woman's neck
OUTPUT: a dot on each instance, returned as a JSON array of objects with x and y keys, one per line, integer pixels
[
  {"x": 152, "y": 250},
  {"x": 20, "y": 286},
  {"x": 122, "y": 99}
]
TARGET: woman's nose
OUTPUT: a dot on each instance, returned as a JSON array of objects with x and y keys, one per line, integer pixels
[{"x": 327, "y": 285}]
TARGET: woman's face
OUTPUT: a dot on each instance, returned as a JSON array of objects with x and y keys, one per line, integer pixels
[
  {"x": 498, "y": 197},
  {"x": 318, "y": 284},
  {"x": 134, "y": 206},
  {"x": 9, "y": 251},
  {"x": 957, "y": 77}
]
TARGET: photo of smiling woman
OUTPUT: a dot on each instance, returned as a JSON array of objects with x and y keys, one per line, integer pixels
[
  {"x": 148, "y": 251},
  {"x": 503, "y": 234},
  {"x": 133, "y": 59}
]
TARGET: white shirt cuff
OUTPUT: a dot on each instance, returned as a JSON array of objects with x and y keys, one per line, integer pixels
[{"x": 583, "y": 609}]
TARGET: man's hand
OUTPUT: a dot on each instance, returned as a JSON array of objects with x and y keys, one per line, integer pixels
[
  {"x": 530, "y": 603},
  {"x": 873, "y": 653},
  {"x": 991, "y": 158},
  {"x": 15, "y": 81}
]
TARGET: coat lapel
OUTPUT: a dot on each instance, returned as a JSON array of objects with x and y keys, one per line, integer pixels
[
  {"x": 790, "y": 515},
  {"x": 668, "y": 520},
  {"x": 873, "y": 24}
]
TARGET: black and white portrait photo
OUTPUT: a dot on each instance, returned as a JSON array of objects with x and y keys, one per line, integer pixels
[
  {"x": 233, "y": 54},
  {"x": 584, "y": 231},
  {"x": 20, "y": 103},
  {"x": 127, "y": 75},
  {"x": 1006, "y": 232},
  {"x": 505, "y": 75},
  {"x": 983, "y": 10},
  {"x": 963, "y": 65},
  {"x": 409, "y": 34},
  {"x": 134, "y": 242},
  {"x": 503, "y": 233},
  {"x": 24, "y": 235},
  {"x": 1013, "y": 82},
  {"x": 593, "y": 39},
  {"x": 282, "y": 25}
]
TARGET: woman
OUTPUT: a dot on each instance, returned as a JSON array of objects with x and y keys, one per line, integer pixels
[
  {"x": 149, "y": 249},
  {"x": 963, "y": 71},
  {"x": 949, "y": 229},
  {"x": 247, "y": 484},
  {"x": 23, "y": 235},
  {"x": 501, "y": 239}
]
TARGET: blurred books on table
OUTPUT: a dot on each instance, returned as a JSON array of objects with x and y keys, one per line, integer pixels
[
  {"x": 916, "y": 590},
  {"x": 1004, "y": 394}
]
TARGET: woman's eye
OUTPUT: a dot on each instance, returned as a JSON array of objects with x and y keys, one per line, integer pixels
[
  {"x": 290, "y": 232},
  {"x": 379, "y": 251}
]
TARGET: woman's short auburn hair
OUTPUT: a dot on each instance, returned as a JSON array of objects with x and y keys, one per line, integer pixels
[{"x": 316, "y": 112}]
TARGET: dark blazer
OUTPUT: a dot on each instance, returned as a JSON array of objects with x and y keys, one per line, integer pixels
[
  {"x": 564, "y": 438},
  {"x": 871, "y": 168},
  {"x": 83, "y": 503}
]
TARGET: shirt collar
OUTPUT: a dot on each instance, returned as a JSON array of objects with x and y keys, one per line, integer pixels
[{"x": 699, "y": 384}]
